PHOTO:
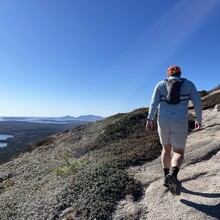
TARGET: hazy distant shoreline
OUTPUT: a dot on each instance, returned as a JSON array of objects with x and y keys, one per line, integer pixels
[{"x": 57, "y": 120}]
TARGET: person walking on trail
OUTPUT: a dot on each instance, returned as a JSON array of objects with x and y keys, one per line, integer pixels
[{"x": 171, "y": 97}]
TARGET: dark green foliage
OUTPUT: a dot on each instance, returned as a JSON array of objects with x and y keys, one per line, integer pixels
[
  {"x": 191, "y": 122},
  {"x": 99, "y": 177},
  {"x": 26, "y": 134},
  {"x": 46, "y": 141},
  {"x": 96, "y": 188},
  {"x": 209, "y": 101},
  {"x": 124, "y": 125},
  {"x": 203, "y": 93},
  {"x": 134, "y": 188},
  {"x": 100, "y": 187}
]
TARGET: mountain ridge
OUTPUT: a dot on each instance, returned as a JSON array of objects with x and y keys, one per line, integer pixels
[
  {"x": 84, "y": 173},
  {"x": 67, "y": 118}
]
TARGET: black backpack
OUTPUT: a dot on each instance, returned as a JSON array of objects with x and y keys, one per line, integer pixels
[{"x": 173, "y": 91}]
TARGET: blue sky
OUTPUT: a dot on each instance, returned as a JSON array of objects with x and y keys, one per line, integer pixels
[{"x": 101, "y": 57}]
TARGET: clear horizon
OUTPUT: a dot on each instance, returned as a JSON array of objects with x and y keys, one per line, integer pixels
[{"x": 93, "y": 57}]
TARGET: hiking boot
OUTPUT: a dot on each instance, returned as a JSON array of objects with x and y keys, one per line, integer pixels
[
  {"x": 165, "y": 183},
  {"x": 173, "y": 184}
]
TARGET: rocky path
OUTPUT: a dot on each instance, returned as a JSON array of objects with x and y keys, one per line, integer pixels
[{"x": 200, "y": 178}]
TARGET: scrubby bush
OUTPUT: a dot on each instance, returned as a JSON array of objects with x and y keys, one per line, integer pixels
[
  {"x": 98, "y": 185},
  {"x": 99, "y": 177},
  {"x": 203, "y": 93}
]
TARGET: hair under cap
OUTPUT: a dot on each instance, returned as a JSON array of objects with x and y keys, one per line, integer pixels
[{"x": 174, "y": 69}]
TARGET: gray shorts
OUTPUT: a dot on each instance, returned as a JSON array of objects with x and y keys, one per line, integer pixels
[{"x": 173, "y": 131}]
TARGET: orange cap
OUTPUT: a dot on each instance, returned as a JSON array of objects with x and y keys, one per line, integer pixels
[{"x": 174, "y": 69}]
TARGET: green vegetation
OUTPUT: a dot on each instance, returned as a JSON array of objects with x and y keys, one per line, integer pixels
[
  {"x": 99, "y": 177},
  {"x": 26, "y": 134},
  {"x": 209, "y": 101},
  {"x": 203, "y": 93}
]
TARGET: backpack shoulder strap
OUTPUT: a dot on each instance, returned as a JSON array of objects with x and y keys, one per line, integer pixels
[
  {"x": 182, "y": 80},
  {"x": 166, "y": 82}
]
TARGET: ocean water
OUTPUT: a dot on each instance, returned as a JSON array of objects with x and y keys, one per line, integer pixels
[
  {"x": 4, "y": 137},
  {"x": 3, "y": 144}
]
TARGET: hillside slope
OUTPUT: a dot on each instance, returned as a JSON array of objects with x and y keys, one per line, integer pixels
[
  {"x": 200, "y": 197},
  {"x": 83, "y": 173}
]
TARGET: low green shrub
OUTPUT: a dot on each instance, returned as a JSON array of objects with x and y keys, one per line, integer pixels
[
  {"x": 203, "y": 93},
  {"x": 99, "y": 177}
]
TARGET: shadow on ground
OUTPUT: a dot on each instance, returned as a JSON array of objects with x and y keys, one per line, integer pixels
[
  {"x": 207, "y": 195},
  {"x": 211, "y": 210}
]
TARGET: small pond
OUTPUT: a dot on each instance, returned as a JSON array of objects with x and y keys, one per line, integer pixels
[{"x": 4, "y": 137}]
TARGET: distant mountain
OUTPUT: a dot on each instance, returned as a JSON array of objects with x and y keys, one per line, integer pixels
[
  {"x": 81, "y": 118},
  {"x": 65, "y": 119},
  {"x": 89, "y": 118}
]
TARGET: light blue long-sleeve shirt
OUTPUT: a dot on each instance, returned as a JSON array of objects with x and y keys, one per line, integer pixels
[{"x": 179, "y": 110}]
